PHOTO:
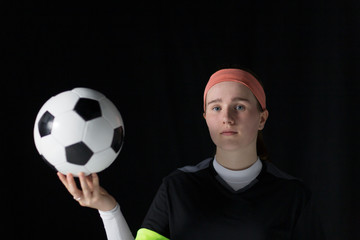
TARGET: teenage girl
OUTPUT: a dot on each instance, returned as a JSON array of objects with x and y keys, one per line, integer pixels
[{"x": 234, "y": 195}]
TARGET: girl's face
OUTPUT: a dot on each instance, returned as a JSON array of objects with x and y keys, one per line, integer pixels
[{"x": 232, "y": 116}]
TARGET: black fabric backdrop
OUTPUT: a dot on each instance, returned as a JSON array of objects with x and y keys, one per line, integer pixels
[{"x": 153, "y": 61}]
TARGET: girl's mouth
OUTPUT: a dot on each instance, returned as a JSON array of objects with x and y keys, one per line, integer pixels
[{"x": 228, "y": 133}]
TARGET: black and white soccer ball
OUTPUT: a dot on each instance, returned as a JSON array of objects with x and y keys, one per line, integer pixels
[{"x": 79, "y": 131}]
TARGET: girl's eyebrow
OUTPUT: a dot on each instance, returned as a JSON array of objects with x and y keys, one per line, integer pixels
[
  {"x": 235, "y": 99},
  {"x": 240, "y": 99},
  {"x": 215, "y": 101}
]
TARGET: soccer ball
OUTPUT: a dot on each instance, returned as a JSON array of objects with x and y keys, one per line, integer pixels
[{"x": 79, "y": 131}]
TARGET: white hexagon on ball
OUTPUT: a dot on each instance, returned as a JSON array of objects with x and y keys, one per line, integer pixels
[
  {"x": 62, "y": 103},
  {"x": 110, "y": 113},
  {"x": 98, "y": 134},
  {"x": 52, "y": 149},
  {"x": 68, "y": 128},
  {"x": 85, "y": 93},
  {"x": 101, "y": 160}
]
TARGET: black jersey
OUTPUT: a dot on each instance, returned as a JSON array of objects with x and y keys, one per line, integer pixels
[{"x": 195, "y": 203}]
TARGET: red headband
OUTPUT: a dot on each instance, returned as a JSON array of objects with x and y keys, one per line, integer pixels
[{"x": 240, "y": 76}]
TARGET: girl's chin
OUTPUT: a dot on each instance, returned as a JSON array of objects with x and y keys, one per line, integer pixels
[{"x": 233, "y": 147}]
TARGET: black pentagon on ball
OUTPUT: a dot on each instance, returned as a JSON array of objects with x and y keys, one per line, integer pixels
[
  {"x": 78, "y": 153},
  {"x": 118, "y": 139},
  {"x": 88, "y": 108},
  {"x": 45, "y": 124}
]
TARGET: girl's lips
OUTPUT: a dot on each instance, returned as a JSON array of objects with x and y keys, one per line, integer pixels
[{"x": 228, "y": 133}]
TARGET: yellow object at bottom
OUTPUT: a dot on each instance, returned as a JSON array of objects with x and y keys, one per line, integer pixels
[{"x": 146, "y": 234}]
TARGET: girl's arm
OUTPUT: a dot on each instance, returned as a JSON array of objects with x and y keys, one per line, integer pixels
[{"x": 115, "y": 225}]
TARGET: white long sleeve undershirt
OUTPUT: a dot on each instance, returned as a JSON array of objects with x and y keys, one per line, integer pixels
[{"x": 117, "y": 228}]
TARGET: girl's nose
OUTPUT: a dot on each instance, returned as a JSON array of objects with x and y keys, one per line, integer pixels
[{"x": 228, "y": 117}]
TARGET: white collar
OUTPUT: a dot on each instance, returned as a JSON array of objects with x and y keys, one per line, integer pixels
[{"x": 241, "y": 178}]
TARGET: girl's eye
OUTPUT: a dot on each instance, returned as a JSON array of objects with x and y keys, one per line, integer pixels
[
  {"x": 216, "y": 108},
  {"x": 240, "y": 108}
]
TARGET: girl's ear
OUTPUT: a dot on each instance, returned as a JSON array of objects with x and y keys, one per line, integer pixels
[
  {"x": 204, "y": 115},
  {"x": 263, "y": 117}
]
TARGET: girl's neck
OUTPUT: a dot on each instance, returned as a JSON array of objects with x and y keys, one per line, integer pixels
[{"x": 236, "y": 160}]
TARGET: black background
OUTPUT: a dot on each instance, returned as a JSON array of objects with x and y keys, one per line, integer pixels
[{"x": 153, "y": 61}]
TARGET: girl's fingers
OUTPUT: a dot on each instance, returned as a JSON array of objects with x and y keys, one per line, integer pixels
[
  {"x": 85, "y": 187},
  {"x": 96, "y": 185},
  {"x": 95, "y": 181},
  {"x": 91, "y": 194},
  {"x": 69, "y": 185},
  {"x": 72, "y": 188},
  {"x": 62, "y": 178},
  {"x": 89, "y": 182}
]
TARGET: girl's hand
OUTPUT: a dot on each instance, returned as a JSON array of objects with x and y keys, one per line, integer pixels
[{"x": 91, "y": 193}]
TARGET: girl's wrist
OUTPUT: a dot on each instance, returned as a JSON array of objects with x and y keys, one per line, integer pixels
[
  {"x": 109, "y": 205},
  {"x": 112, "y": 210}
]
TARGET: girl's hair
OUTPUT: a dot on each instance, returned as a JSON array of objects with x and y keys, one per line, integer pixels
[{"x": 261, "y": 149}]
